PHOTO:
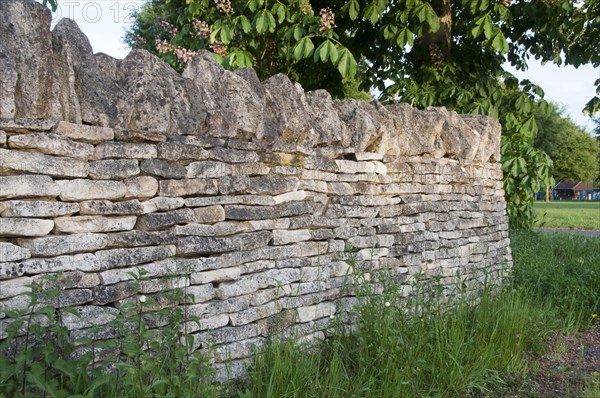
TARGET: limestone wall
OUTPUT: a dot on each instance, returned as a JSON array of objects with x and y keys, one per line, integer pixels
[{"x": 244, "y": 193}]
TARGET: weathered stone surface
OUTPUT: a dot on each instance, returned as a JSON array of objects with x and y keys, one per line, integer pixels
[
  {"x": 22, "y": 208},
  {"x": 208, "y": 169},
  {"x": 175, "y": 151},
  {"x": 307, "y": 314},
  {"x": 218, "y": 229},
  {"x": 78, "y": 132},
  {"x": 139, "y": 255},
  {"x": 3, "y": 139},
  {"x": 10, "y": 252},
  {"x": 25, "y": 186},
  {"x": 64, "y": 244},
  {"x": 127, "y": 150},
  {"x": 163, "y": 168},
  {"x": 80, "y": 190},
  {"x": 108, "y": 208},
  {"x": 209, "y": 215},
  {"x": 129, "y": 135},
  {"x": 210, "y": 245},
  {"x": 158, "y": 221},
  {"x": 14, "y": 287},
  {"x": 166, "y": 267},
  {"x": 114, "y": 169},
  {"x": 38, "y": 163},
  {"x": 87, "y": 224},
  {"x": 10, "y": 271},
  {"x": 273, "y": 186},
  {"x": 141, "y": 238},
  {"x": 25, "y": 227},
  {"x": 283, "y": 237},
  {"x": 140, "y": 187},
  {"x": 79, "y": 262},
  {"x": 88, "y": 316},
  {"x": 219, "y": 275},
  {"x": 51, "y": 144},
  {"x": 188, "y": 187},
  {"x": 162, "y": 204}
]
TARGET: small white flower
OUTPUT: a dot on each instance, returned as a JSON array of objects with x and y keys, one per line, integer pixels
[
  {"x": 332, "y": 317},
  {"x": 387, "y": 303},
  {"x": 142, "y": 299}
]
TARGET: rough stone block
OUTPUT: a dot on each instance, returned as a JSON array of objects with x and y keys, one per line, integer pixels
[
  {"x": 272, "y": 185},
  {"x": 108, "y": 208},
  {"x": 125, "y": 150},
  {"x": 80, "y": 190},
  {"x": 218, "y": 275},
  {"x": 218, "y": 229},
  {"x": 163, "y": 168},
  {"x": 310, "y": 313},
  {"x": 3, "y": 139},
  {"x": 64, "y": 244},
  {"x": 212, "y": 245},
  {"x": 125, "y": 257},
  {"x": 10, "y": 252},
  {"x": 158, "y": 221},
  {"x": 25, "y": 227},
  {"x": 209, "y": 169},
  {"x": 10, "y": 271},
  {"x": 284, "y": 237},
  {"x": 14, "y": 287},
  {"x": 25, "y": 186},
  {"x": 175, "y": 151},
  {"x": 162, "y": 204},
  {"x": 209, "y": 215},
  {"x": 22, "y": 208},
  {"x": 87, "y": 224},
  {"x": 160, "y": 268},
  {"x": 79, "y": 262},
  {"x": 68, "y": 280},
  {"x": 38, "y": 163},
  {"x": 290, "y": 197},
  {"x": 90, "y": 134},
  {"x": 51, "y": 144},
  {"x": 141, "y": 238},
  {"x": 114, "y": 169},
  {"x": 188, "y": 187},
  {"x": 109, "y": 294},
  {"x": 230, "y": 155},
  {"x": 140, "y": 187},
  {"x": 88, "y": 316}
]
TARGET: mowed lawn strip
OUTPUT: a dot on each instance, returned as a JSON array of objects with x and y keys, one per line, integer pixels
[{"x": 567, "y": 214}]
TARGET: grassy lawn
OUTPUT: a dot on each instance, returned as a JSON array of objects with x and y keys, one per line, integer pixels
[{"x": 567, "y": 214}]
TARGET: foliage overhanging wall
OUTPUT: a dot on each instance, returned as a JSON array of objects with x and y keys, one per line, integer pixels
[{"x": 243, "y": 192}]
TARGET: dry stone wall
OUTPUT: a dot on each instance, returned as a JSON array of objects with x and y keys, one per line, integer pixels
[{"x": 243, "y": 193}]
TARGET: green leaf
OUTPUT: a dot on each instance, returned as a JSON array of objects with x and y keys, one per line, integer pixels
[
  {"x": 226, "y": 34},
  {"x": 303, "y": 49},
  {"x": 322, "y": 52},
  {"x": 371, "y": 13},
  {"x": 246, "y": 24},
  {"x": 271, "y": 21},
  {"x": 347, "y": 63},
  {"x": 252, "y": 5},
  {"x": 405, "y": 36},
  {"x": 298, "y": 32},
  {"x": 261, "y": 21},
  {"x": 333, "y": 52},
  {"x": 499, "y": 42},
  {"x": 353, "y": 9}
]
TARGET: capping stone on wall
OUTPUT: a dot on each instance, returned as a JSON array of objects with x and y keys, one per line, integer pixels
[{"x": 243, "y": 192}]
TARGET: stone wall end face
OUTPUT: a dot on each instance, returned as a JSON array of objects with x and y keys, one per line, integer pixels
[{"x": 245, "y": 193}]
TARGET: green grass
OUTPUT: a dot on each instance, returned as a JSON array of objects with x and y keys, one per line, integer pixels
[{"x": 567, "y": 214}]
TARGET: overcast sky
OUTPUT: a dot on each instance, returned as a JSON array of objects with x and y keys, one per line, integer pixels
[{"x": 105, "y": 21}]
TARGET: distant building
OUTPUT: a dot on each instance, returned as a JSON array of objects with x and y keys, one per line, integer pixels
[{"x": 569, "y": 190}]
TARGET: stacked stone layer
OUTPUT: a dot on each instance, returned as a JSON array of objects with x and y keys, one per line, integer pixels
[{"x": 244, "y": 194}]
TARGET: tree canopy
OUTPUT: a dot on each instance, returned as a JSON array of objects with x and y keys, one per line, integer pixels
[
  {"x": 448, "y": 53},
  {"x": 573, "y": 151}
]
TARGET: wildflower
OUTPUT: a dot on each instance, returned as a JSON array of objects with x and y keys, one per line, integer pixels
[
  {"x": 224, "y": 6},
  {"x": 387, "y": 303},
  {"x": 218, "y": 48},
  {"x": 594, "y": 316},
  {"x": 184, "y": 55},
  {"x": 162, "y": 46},
  {"x": 327, "y": 19},
  {"x": 202, "y": 29},
  {"x": 139, "y": 41},
  {"x": 332, "y": 317},
  {"x": 168, "y": 27},
  {"x": 142, "y": 299},
  {"x": 580, "y": 260},
  {"x": 306, "y": 8}
]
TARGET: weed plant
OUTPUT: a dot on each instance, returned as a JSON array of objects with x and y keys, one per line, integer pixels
[{"x": 41, "y": 358}]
